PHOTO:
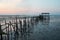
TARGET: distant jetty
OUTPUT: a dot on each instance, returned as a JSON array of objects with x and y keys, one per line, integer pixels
[{"x": 43, "y": 16}]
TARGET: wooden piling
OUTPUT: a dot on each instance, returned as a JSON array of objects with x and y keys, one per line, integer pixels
[
  {"x": 16, "y": 27},
  {"x": 8, "y": 32},
  {"x": 10, "y": 28},
  {"x": 20, "y": 22},
  {"x": 1, "y": 33}
]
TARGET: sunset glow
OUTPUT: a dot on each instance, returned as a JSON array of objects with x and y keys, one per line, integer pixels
[{"x": 14, "y": 6}]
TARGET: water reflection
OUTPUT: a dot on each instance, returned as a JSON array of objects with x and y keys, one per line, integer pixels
[{"x": 28, "y": 28}]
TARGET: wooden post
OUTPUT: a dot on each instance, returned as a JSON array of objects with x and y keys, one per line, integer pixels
[
  {"x": 1, "y": 33},
  {"x": 16, "y": 26},
  {"x": 20, "y": 22},
  {"x": 5, "y": 22},
  {"x": 24, "y": 26},
  {"x": 8, "y": 31}
]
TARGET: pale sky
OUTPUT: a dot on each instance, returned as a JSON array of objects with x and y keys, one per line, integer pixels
[{"x": 26, "y": 6}]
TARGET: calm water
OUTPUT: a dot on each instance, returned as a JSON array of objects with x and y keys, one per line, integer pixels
[
  {"x": 42, "y": 30},
  {"x": 49, "y": 30}
]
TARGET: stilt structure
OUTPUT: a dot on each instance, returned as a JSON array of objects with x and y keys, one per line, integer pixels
[
  {"x": 20, "y": 26},
  {"x": 46, "y": 16}
]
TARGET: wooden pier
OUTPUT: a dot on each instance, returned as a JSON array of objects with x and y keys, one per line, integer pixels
[{"x": 17, "y": 26}]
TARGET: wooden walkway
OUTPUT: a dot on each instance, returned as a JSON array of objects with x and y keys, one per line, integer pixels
[{"x": 17, "y": 26}]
